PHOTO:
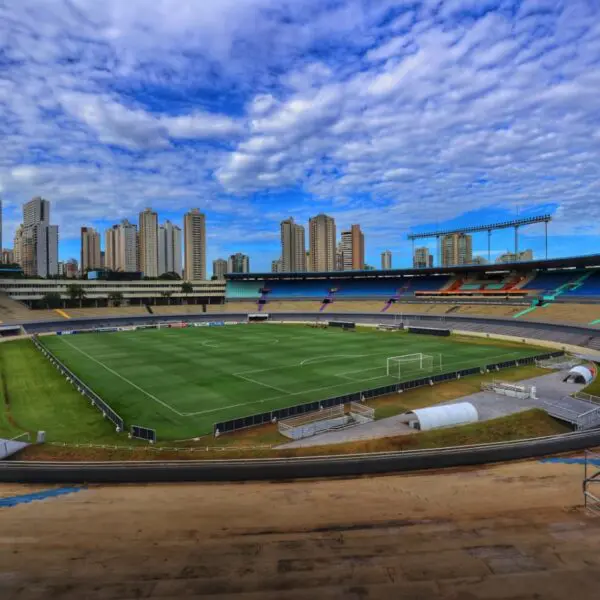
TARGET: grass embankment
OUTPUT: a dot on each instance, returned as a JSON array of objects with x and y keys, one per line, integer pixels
[
  {"x": 530, "y": 424},
  {"x": 35, "y": 397}
]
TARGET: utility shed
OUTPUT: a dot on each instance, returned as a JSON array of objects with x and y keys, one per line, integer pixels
[{"x": 445, "y": 415}]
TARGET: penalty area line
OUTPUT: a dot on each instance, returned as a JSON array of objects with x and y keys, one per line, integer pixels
[{"x": 137, "y": 387}]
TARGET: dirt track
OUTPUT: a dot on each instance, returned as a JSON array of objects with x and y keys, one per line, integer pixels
[{"x": 510, "y": 531}]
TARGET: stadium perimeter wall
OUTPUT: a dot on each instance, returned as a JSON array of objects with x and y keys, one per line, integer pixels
[{"x": 292, "y": 468}]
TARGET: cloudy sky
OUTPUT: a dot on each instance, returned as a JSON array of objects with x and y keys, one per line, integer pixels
[{"x": 398, "y": 115}]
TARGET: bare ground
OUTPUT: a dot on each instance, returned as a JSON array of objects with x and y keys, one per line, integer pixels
[{"x": 512, "y": 531}]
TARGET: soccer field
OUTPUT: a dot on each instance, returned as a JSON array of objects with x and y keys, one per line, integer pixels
[{"x": 182, "y": 381}]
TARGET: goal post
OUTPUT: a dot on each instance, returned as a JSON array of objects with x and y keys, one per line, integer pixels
[{"x": 399, "y": 366}]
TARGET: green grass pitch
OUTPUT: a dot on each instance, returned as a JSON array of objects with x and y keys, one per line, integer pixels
[{"x": 182, "y": 381}]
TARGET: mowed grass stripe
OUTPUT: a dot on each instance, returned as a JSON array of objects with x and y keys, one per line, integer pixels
[{"x": 193, "y": 371}]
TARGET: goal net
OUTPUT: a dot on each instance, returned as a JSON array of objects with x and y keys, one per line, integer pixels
[{"x": 410, "y": 364}]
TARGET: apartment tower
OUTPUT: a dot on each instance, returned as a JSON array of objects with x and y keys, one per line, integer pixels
[
  {"x": 422, "y": 258},
  {"x": 386, "y": 260},
  {"x": 148, "y": 243},
  {"x": 121, "y": 246},
  {"x": 352, "y": 249},
  {"x": 91, "y": 258},
  {"x": 194, "y": 240},
  {"x": 457, "y": 249},
  {"x": 238, "y": 263},
  {"x": 293, "y": 247},
  {"x": 219, "y": 268},
  {"x": 169, "y": 249},
  {"x": 39, "y": 242},
  {"x": 322, "y": 243}
]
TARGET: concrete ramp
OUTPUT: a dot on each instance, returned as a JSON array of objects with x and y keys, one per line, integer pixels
[{"x": 10, "y": 447}]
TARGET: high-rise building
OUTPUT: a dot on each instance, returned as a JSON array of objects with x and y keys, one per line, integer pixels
[
  {"x": 343, "y": 255},
  {"x": 293, "y": 247},
  {"x": 422, "y": 258},
  {"x": 71, "y": 268},
  {"x": 194, "y": 235},
  {"x": 91, "y": 258},
  {"x": 276, "y": 266},
  {"x": 339, "y": 256},
  {"x": 352, "y": 247},
  {"x": 322, "y": 243},
  {"x": 18, "y": 246},
  {"x": 457, "y": 249},
  {"x": 8, "y": 256},
  {"x": 511, "y": 257},
  {"x": 121, "y": 243},
  {"x": 39, "y": 241},
  {"x": 219, "y": 268},
  {"x": 386, "y": 260},
  {"x": 238, "y": 263},
  {"x": 148, "y": 243},
  {"x": 169, "y": 249}
]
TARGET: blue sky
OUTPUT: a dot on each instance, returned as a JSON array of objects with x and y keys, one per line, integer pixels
[{"x": 398, "y": 115}]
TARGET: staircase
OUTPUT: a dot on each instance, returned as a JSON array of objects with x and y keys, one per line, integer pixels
[
  {"x": 390, "y": 302},
  {"x": 328, "y": 299},
  {"x": 533, "y": 306},
  {"x": 566, "y": 287},
  {"x": 454, "y": 285},
  {"x": 553, "y": 295},
  {"x": 263, "y": 299}
]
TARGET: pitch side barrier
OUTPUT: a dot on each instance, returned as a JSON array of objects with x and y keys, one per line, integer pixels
[
  {"x": 96, "y": 401},
  {"x": 293, "y": 468},
  {"x": 298, "y": 409},
  {"x": 429, "y": 331}
]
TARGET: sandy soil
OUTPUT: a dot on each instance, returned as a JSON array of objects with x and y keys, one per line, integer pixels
[{"x": 504, "y": 532}]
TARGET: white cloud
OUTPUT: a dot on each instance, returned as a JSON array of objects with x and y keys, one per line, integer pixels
[{"x": 357, "y": 106}]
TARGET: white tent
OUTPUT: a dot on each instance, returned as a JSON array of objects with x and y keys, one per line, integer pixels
[
  {"x": 445, "y": 415},
  {"x": 579, "y": 374}
]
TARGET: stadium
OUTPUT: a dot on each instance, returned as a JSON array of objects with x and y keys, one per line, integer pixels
[{"x": 294, "y": 354}]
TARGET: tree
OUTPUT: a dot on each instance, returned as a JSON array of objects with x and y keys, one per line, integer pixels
[
  {"x": 167, "y": 296},
  {"x": 76, "y": 292},
  {"x": 51, "y": 300},
  {"x": 186, "y": 288},
  {"x": 170, "y": 276},
  {"x": 116, "y": 298}
]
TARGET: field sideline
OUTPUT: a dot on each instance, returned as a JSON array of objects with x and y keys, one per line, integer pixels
[{"x": 182, "y": 381}]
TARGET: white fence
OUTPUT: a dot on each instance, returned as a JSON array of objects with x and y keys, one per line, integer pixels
[
  {"x": 504, "y": 388},
  {"x": 361, "y": 413},
  {"x": 303, "y": 426}
]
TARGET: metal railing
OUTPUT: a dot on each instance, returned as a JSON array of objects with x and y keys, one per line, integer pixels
[{"x": 81, "y": 387}]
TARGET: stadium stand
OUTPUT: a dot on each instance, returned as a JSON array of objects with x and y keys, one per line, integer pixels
[
  {"x": 589, "y": 286},
  {"x": 103, "y": 311},
  {"x": 563, "y": 312},
  {"x": 287, "y": 289},
  {"x": 183, "y": 309},
  {"x": 12, "y": 311}
]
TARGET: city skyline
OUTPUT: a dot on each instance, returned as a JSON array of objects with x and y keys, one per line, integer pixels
[{"x": 124, "y": 246}]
